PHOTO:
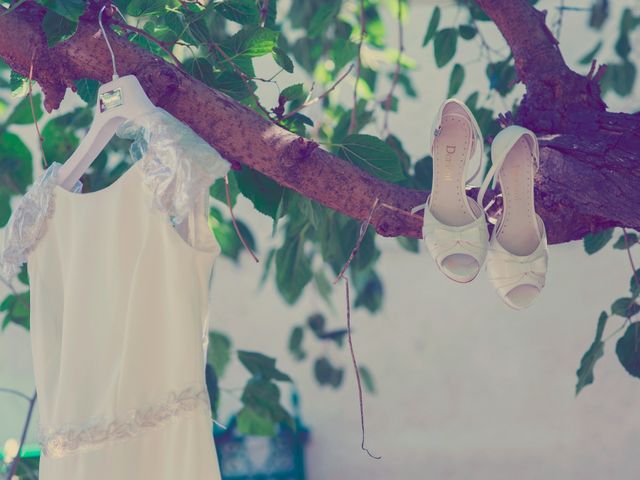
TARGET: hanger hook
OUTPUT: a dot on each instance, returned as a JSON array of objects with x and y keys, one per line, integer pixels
[{"x": 106, "y": 39}]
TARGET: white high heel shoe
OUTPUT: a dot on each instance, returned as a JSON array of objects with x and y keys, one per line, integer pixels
[
  {"x": 518, "y": 255},
  {"x": 454, "y": 225}
]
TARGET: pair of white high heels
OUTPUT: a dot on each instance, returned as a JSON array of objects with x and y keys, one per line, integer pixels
[{"x": 455, "y": 226}]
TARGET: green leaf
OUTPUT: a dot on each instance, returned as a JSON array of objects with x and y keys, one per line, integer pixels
[
  {"x": 293, "y": 269},
  {"x": 282, "y": 59},
  {"x": 620, "y": 77},
  {"x": 294, "y": 92},
  {"x": 295, "y": 343},
  {"x": 59, "y": 139},
  {"x": 218, "y": 190},
  {"x": 22, "y": 114},
  {"x": 634, "y": 287},
  {"x": 591, "y": 356},
  {"x": 219, "y": 352},
  {"x": 433, "y": 26},
  {"x": 596, "y": 241},
  {"x": 16, "y": 169},
  {"x": 620, "y": 244},
  {"x": 230, "y": 83},
  {"x": 372, "y": 155},
  {"x": 623, "y": 47},
  {"x": 321, "y": 19},
  {"x": 625, "y": 307},
  {"x": 264, "y": 193},
  {"x": 444, "y": 44},
  {"x": 326, "y": 374},
  {"x": 139, "y": 8},
  {"x": 367, "y": 379},
  {"x": 370, "y": 292},
  {"x": 19, "y": 85},
  {"x": 628, "y": 349},
  {"x": 57, "y": 28},
  {"x": 5, "y": 208},
  {"x": 261, "y": 366},
  {"x": 251, "y": 42},
  {"x": 245, "y": 12},
  {"x": 467, "y": 32},
  {"x": 455, "y": 80},
  {"x": 502, "y": 76},
  {"x": 599, "y": 13},
  {"x": 251, "y": 422},
  {"x": 70, "y": 9},
  {"x": 409, "y": 244},
  {"x": 589, "y": 56},
  {"x": 88, "y": 90}
]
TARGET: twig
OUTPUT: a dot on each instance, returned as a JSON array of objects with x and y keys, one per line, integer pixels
[
  {"x": 320, "y": 97},
  {"x": 233, "y": 219},
  {"x": 16, "y": 459},
  {"x": 363, "y": 230},
  {"x": 396, "y": 73},
  {"x": 628, "y": 248},
  {"x": 264, "y": 11},
  {"x": 363, "y": 31},
  {"x": 357, "y": 370},
  {"x": 15, "y": 392},
  {"x": 561, "y": 9},
  {"x": 33, "y": 110}
]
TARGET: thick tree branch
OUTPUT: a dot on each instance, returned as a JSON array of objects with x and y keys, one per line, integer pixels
[
  {"x": 590, "y": 166},
  {"x": 576, "y": 195}
]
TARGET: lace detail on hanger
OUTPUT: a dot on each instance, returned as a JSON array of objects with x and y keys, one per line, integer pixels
[
  {"x": 178, "y": 164},
  {"x": 58, "y": 443},
  {"x": 28, "y": 223}
]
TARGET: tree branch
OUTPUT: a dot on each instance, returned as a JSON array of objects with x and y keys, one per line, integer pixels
[{"x": 575, "y": 194}]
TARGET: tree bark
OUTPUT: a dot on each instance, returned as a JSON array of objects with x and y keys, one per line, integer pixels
[{"x": 589, "y": 167}]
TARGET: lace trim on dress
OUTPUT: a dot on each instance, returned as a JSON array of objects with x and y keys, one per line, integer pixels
[
  {"x": 178, "y": 164},
  {"x": 28, "y": 223},
  {"x": 58, "y": 443}
]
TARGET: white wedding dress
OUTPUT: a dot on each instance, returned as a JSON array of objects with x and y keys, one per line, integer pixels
[{"x": 119, "y": 305}]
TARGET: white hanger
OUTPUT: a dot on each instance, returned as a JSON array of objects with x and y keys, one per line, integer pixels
[{"x": 119, "y": 100}]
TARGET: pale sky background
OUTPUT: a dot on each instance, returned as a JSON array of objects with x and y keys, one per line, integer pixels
[{"x": 466, "y": 387}]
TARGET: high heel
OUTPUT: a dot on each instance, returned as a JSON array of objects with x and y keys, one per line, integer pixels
[
  {"x": 518, "y": 254},
  {"x": 454, "y": 225}
]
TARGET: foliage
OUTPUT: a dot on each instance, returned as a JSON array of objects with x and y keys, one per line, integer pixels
[{"x": 218, "y": 43}]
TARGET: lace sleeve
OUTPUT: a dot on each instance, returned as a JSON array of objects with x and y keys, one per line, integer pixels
[
  {"x": 178, "y": 164},
  {"x": 28, "y": 222}
]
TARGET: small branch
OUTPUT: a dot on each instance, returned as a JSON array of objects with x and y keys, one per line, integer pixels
[
  {"x": 264, "y": 11},
  {"x": 357, "y": 370},
  {"x": 628, "y": 248},
  {"x": 14, "y": 463},
  {"x": 363, "y": 31},
  {"x": 363, "y": 230},
  {"x": 320, "y": 97},
  {"x": 33, "y": 110},
  {"x": 396, "y": 73}
]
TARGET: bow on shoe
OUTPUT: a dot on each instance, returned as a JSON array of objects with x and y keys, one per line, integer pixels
[
  {"x": 460, "y": 240},
  {"x": 509, "y": 270}
]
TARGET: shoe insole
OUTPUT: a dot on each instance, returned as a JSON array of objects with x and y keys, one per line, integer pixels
[
  {"x": 448, "y": 201},
  {"x": 518, "y": 229}
]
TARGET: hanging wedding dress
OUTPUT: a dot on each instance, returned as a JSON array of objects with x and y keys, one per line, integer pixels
[{"x": 119, "y": 306}]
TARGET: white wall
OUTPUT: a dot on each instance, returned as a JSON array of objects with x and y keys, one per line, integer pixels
[{"x": 466, "y": 387}]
